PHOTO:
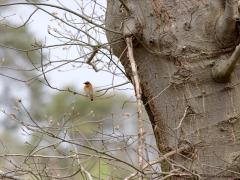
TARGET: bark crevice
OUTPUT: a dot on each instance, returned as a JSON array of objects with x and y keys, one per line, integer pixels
[{"x": 175, "y": 67}]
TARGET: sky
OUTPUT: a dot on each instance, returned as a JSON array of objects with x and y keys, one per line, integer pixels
[
  {"x": 39, "y": 25},
  {"x": 67, "y": 75}
]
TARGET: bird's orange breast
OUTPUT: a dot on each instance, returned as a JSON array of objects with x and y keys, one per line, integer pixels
[{"x": 88, "y": 88}]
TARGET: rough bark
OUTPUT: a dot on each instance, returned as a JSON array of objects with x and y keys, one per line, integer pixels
[{"x": 177, "y": 44}]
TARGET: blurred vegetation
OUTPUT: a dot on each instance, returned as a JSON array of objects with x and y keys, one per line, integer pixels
[
  {"x": 74, "y": 116},
  {"x": 79, "y": 111},
  {"x": 85, "y": 120},
  {"x": 20, "y": 65},
  {"x": 82, "y": 121},
  {"x": 100, "y": 124}
]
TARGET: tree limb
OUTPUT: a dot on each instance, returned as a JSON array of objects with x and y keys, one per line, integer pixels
[
  {"x": 125, "y": 6},
  {"x": 165, "y": 156},
  {"x": 226, "y": 25},
  {"x": 139, "y": 103},
  {"x": 223, "y": 69}
]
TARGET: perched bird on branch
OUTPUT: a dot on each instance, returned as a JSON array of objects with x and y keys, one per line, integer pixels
[{"x": 88, "y": 89}]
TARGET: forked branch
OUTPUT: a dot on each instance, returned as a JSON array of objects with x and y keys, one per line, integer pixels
[{"x": 164, "y": 157}]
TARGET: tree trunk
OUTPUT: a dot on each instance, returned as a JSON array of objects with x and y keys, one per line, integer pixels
[{"x": 181, "y": 47}]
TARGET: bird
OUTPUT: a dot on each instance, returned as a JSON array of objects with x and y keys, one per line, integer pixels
[{"x": 88, "y": 89}]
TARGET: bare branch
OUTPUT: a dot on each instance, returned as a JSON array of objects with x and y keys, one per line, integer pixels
[
  {"x": 129, "y": 41},
  {"x": 125, "y": 6},
  {"x": 223, "y": 69},
  {"x": 89, "y": 60},
  {"x": 226, "y": 26},
  {"x": 112, "y": 87},
  {"x": 64, "y": 9},
  {"x": 183, "y": 117},
  {"x": 6, "y": 175},
  {"x": 164, "y": 157}
]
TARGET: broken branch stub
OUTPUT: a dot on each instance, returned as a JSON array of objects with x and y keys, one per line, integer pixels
[
  {"x": 227, "y": 34},
  {"x": 223, "y": 69},
  {"x": 131, "y": 27}
]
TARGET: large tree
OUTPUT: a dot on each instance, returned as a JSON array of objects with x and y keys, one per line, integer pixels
[{"x": 186, "y": 54}]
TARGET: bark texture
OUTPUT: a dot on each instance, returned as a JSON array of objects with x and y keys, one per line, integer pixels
[{"x": 177, "y": 43}]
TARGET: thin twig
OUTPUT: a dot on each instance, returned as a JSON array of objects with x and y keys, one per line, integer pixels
[
  {"x": 89, "y": 60},
  {"x": 50, "y": 134},
  {"x": 118, "y": 85},
  {"x": 5, "y": 175},
  {"x": 183, "y": 117},
  {"x": 125, "y": 6},
  {"x": 139, "y": 103},
  {"x": 165, "y": 156},
  {"x": 64, "y": 9},
  {"x": 158, "y": 94}
]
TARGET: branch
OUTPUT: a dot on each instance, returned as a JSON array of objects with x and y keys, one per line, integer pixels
[
  {"x": 223, "y": 69},
  {"x": 89, "y": 60},
  {"x": 139, "y": 103},
  {"x": 63, "y": 140},
  {"x": 64, "y": 9},
  {"x": 112, "y": 87},
  {"x": 5, "y": 175},
  {"x": 29, "y": 18},
  {"x": 165, "y": 156},
  {"x": 125, "y": 6},
  {"x": 183, "y": 117},
  {"x": 226, "y": 24}
]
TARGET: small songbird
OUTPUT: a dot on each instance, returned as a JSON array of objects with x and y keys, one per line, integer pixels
[{"x": 88, "y": 89}]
